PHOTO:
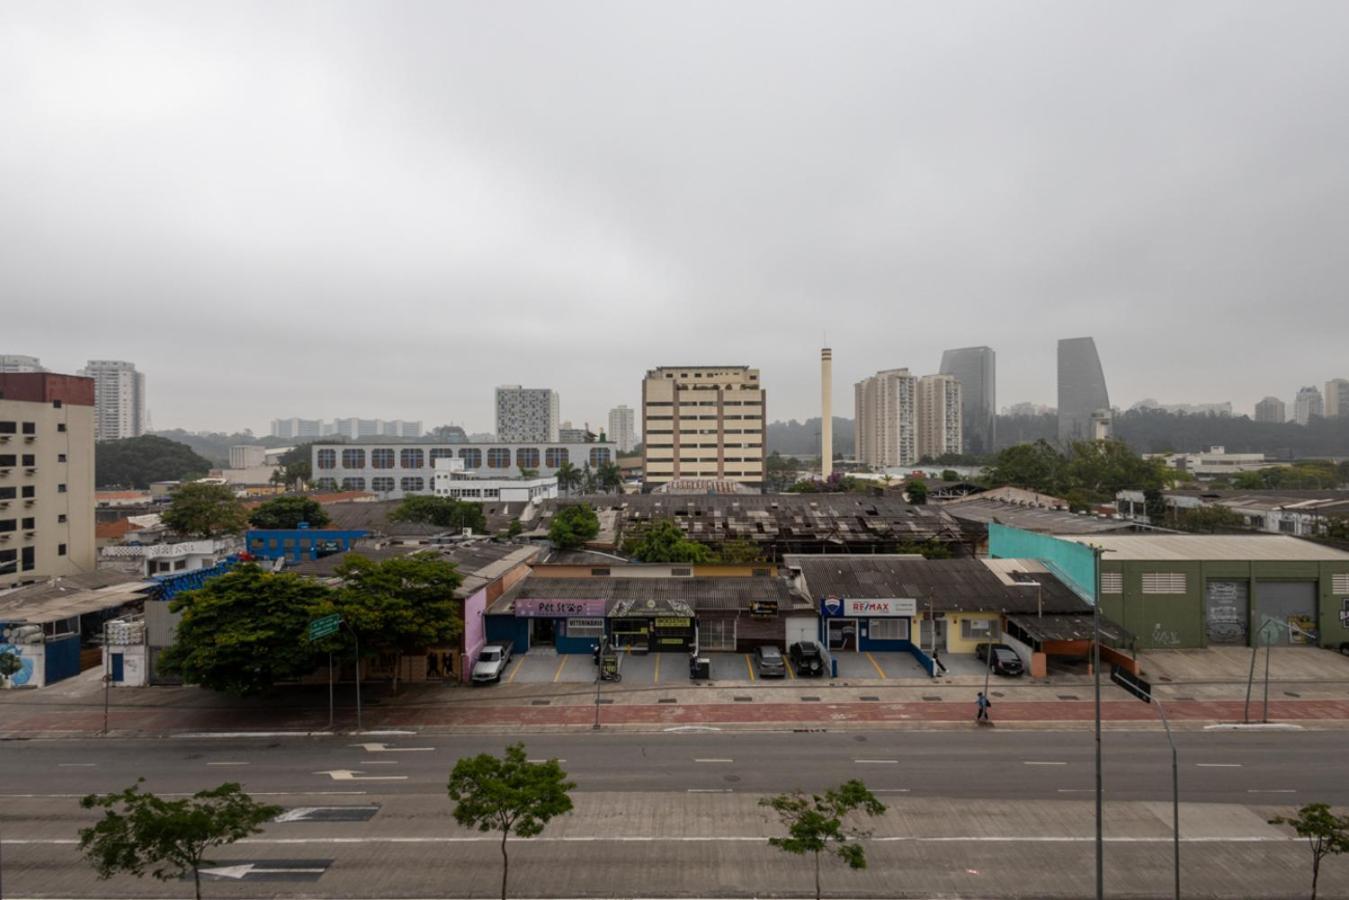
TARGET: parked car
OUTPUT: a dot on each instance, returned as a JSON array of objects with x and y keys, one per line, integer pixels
[
  {"x": 1005, "y": 659},
  {"x": 807, "y": 659},
  {"x": 491, "y": 664},
  {"x": 770, "y": 662}
]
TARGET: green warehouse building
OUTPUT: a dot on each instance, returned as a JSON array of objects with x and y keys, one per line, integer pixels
[{"x": 1179, "y": 591}]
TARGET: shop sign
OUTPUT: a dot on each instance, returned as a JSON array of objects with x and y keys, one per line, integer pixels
[
  {"x": 672, "y": 622},
  {"x": 869, "y": 609},
  {"x": 558, "y": 609},
  {"x": 763, "y": 608},
  {"x": 576, "y": 624}
]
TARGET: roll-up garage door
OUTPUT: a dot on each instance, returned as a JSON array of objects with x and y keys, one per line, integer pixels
[
  {"x": 1225, "y": 607},
  {"x": 1292, "y": 604}
]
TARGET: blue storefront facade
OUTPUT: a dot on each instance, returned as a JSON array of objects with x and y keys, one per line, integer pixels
[{"x": 296, "y": 544}]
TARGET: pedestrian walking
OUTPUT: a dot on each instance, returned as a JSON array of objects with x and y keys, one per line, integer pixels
[
  {"x": 983, "y": 704},
  {"x": 936, "y": 661}
]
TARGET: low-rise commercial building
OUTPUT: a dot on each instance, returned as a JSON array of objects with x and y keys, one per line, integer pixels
[
  {"x": 451, "y": 480},
  {"x": 1300, "y": 513}
]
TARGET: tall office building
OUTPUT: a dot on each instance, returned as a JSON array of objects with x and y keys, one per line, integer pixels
[
  {"x": 46, "y": 476},
  {"x": 940, "y": 414},
  {"x": 976, "y": 370},
  {"x": 1307, "y": 405},
  {"x": 1271, "y": 409},
  {"x": 1337, "y": 397},
  {"x": 623, "y": 428},
  {"x": 15, "y": 363},
  {"x": 119, "y": 399},
  {"x": 703, "y": 422},
  {"x": 526, "y": 414},
  {"x": 885, "y": 424},
  {"x": 1082, "y": 390}
]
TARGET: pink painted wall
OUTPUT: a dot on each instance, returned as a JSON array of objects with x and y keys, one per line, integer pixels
[{"x": 475, "y": 631}]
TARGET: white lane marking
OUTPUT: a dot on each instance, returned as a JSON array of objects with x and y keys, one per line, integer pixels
[
  {"x": 76, "y": 765},
  {"x": 227, "y": 764},
  {"x": 355, "y": 775},
  {"x": 1219, "y": 765},
  {"x": 1272, "y": 791},
  {"x": 1077, "y": 790},
  {"x": 1043, "y": 762},
  {"x": 889, "y": 790},
  {"x": 243, "y": 871},
  {"x": 379, "y": 762},
  {"x": 877, "y": 762},
  {"x": 539, "y": 761},
  {"x": 385, "y": 748},
  {"x": 195, "y": 735},
  {"x": 714, "y": 760},
  {"x": 709, "y": 790}
]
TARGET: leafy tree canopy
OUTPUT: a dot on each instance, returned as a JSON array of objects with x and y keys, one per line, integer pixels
[
  {"x": 916, "y": 489},
  {"x": 663, "y": 541},
  {"x": 171, "y": 838},
  {"x": 443, "y": 512},
  {"x": 1327, "y": 834},
  {"x": 817, "y": 824},
  {"x": 1091, "y": 472},
  {"x": 205, "y": 511},
  {"x": 136, "y": 462},
  {"x": 243, "y": 631},
  {"x": 288, "y": 512},
  {"x": 573, "y": 526}
]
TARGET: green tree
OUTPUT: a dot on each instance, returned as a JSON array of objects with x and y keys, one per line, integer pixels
[
  {"x": 288, "y": 512},
  {"x": 739, "y": 551},
  {"x": 242, "y": 632},
  {"x": 205, "y": 511},
  {"x": 663, "y": 541},
  {"x": 568, "y": 477},
  {"x": 587, "y": 479},
  {"x": 509, "y": 795},
  {"x": 10, "y": 664},
  {"x": 527, "y": 473},
  {"x": 609, "y": 477},
  {"x": 515, "y": 529},
  {"x": 1036, "y": 467},
  {"x": 1104, "y": 468},
  {"x": 1210, "y": 520},
  {"x": 1327, "y": 834},
  {"x": 573, "y": 526},
  {"x": 443, "y": 512},
  {"x": 400, "y": 605},
  {"x": 916, "y": 488},
  {"x": 171, "y": 838},
  {"x": 296, "y": 465},
  {"x": 950, "y": 475},
  {"x": 779, "y": 472},
  {"x": 818, "y": 824},
  {"x": 136, "y": 462}
]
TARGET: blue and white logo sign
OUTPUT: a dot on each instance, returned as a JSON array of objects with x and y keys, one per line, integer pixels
[{"x": 831, "y": 605}]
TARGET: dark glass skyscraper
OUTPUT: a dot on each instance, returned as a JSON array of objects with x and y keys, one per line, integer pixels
[
  {"x": 976, "y": 370},
  {"x": 1082, "y": 388}
]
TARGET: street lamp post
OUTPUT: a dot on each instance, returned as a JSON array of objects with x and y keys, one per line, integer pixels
[
  {"x": 1096, "y": 676},
  {"x": 1175, "y": 794}
]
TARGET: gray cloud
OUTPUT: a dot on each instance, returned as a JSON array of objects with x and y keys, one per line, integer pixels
[{"x": 336, "y": 209}]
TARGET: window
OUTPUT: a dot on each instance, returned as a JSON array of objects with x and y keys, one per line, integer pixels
[
  {"x": 600, "y": 572},
  {"x": 1112, "y": 583},
  {"x": 8, "y": 460},
  {"x": 179, "y": 565},
  {"x": 8, "y": 525},
  {"x": 440, "y": 453},
  {"x": 1340, "y": 583},
  {"x": 61, "y": 519},
  {"x": 30, "y": 428},
  {"x": 381, "y": 458},
  {"x": 554, "y": 457},
  {"x": 8, "y": 427},
  {"x": 29, "y": 559},
  {"x": 599, "y": 456},
  {"x": 353, "y": 484},
  {"x": 681, "y": 572},
  {"x": 888, "y": 629},
  {"x": 413, "y": 484},
  {"x": 61, "y": 426},
  {"x": 29, "y": 491},
  {"x": 30, "y": 459},
  {"x": 8, "y": 493},
  {"x": 1163, "y": 582},
  {"x": 60, "y": 489},
  {"x": 29, "y": 523},
  {"x": 381, "y": 484},
  {"x": 353, "y": 459},
  {"x": 980, "y": 629},
  {"x": 499, "y": 458},
  {"x": 326, "y": 484},
  {"x": 60, "y": 457},
  {"x": 60, "y": 549},
  {"x": 472, "y": 457},
  {"x": 527, "y": 457},
  {"x": 327, "y": 459},
  {"x": 412, "y": 458}
]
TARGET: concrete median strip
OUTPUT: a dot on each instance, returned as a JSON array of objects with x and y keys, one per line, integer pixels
[{"x": 708, "y": 839}]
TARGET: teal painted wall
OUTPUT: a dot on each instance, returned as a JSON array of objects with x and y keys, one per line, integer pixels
[{"x": 1070, "y": 560}]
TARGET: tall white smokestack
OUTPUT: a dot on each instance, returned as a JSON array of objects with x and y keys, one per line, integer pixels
[{"x": 826, "y": 412}]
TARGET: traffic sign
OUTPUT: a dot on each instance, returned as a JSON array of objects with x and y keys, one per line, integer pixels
[
  {"x": 324, "y": 626},
  {"x": 1132, "y": 683}
]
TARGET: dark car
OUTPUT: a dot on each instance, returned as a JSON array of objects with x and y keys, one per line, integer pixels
[
  {"x": 1005, "y": 660},
  {"x": 769, "y": 662},
  {"x": 807, "y": 659}
]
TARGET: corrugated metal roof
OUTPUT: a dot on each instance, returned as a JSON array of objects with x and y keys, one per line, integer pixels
[
  {"x": 1044, "y": 521},
  {"x": 707, "y": 592},
  {"x": 1198, "y": 547},
  {"x": 43, "y": 603}
]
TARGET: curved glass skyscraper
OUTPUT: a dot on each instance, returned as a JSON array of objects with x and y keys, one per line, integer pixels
[
  {"x": 975, "y": 369},
  {"x": 1082, "y": 388}
]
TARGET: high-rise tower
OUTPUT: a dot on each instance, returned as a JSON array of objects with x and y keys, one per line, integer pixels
[
  {"x": 1082, "y": 390},
  {"x": 826, "y": 412}
]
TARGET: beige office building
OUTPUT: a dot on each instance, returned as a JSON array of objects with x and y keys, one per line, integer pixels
[
  {"x": 46, "y": 476},
  {"x": 1337, "y": 398},
  {"x": 703, "y": 423},
  {"x": 939, "y": 415},
  {"x": 885, "y": 423}
]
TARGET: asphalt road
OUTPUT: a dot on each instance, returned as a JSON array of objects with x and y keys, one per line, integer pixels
[{"x": 982, "y": 814}]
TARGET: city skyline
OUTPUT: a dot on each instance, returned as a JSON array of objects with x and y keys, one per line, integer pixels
[{"x": 904, "y": 178}]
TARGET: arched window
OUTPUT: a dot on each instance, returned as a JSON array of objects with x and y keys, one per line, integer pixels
[
  {"x": 599, "y": 456},
  {"x": 555, "y": 456},
  {"x": 353, "y": 459},
  {"x": 527, "y": 457},
  {"x": 381, "y": 458},
  {"x": 414, "y": 484},
  {"x": 327, "y": 459},
  {"x": 381, "y": 484},
  {"x": 440, "y": 453},
  {"x": 472, "y": 457},
  {"x": 412, "y": 458},
  {"x": 353, "y": 484},
  {"x": 499, "y": 458}
]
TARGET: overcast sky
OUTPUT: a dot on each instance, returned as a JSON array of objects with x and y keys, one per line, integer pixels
[{"x": 385, "y": 209}]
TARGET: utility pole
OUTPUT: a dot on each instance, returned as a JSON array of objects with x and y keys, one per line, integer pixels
[
  {"x": 1096, "y": 677},
  {"x": 1175, "y": 795},
  {"x": 107, "y": 677}
]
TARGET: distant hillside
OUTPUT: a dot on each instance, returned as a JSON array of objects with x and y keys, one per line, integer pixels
[
  {"x": 216, "y": 446},
  {"x": 793, "y": 438}
]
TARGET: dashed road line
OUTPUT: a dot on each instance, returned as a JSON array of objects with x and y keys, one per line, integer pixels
[
  {"x": 1043, "y": 762},
  {"x": 1219, "y": 765},
  {"x": 713, "y": 760},
  {"x": 877, "y": 762},
  {"x": 227, "y": 763},
  {"x": 76, "y": 765}
]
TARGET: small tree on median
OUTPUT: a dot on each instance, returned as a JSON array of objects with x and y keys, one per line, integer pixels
[
  {"x": 508, "y": 794},
  {"x": 816, "y": 824},
  {"x": 141, "y": 831},
  {"x": 1327, "y": 834}
]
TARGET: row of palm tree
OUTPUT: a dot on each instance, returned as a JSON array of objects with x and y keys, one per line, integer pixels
[{"x": 608, "y": 478}]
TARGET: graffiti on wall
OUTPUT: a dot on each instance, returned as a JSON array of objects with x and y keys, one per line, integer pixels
[
  {"x": 1164, "y": 637},
  {"x": 25, "y": 672}
]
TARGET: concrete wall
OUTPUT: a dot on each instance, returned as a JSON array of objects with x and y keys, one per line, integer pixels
[
  {"x": 957, "y": 644},
  {"x": 475, "y": 630}
]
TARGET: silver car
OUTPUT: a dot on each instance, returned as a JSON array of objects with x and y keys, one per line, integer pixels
[
  {"x": 770, "y": 662},
  {"x": 491, "y": 664}
]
